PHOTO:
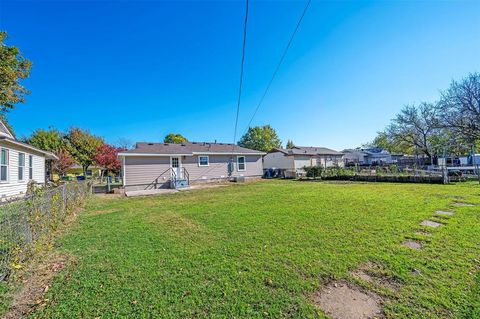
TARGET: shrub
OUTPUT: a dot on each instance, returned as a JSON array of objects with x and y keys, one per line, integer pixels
[{"x": 313, "y": 171}]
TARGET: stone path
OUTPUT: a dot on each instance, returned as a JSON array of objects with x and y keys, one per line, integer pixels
[{"x": 344, "y": 300}]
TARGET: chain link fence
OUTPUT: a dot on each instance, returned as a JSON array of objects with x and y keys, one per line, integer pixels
[{"x": 29, "y": 221}]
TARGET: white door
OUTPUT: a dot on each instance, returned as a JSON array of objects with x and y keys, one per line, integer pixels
[{"x": 176, "y": 165}]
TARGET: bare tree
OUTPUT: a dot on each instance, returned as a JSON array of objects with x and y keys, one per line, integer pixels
[
  {"x": 459, "y": 108},
  {"x": 416, "y": 127},
  {"x": 124, "y": 143}
]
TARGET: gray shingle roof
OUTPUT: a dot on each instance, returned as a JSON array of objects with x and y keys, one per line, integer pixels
[{"x": 188, "y": 148}]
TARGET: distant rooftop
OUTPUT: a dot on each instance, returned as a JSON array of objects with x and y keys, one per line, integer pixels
[{"x": 308, "y": 150}]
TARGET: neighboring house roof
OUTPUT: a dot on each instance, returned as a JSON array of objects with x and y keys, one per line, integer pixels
[
  {"x": 307, "y": 150},
  {"x": 48, "y": 155},
  {"x": 369, "y": 152},
  {"x": 4, "y": 131},
  {"x": 188, "y": 149}
]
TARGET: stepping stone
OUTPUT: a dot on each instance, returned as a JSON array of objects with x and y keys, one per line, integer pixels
[
  {"x": 413, "y": 244},
  {"x": 430, "y": 223},
  {"x": 423, "y": 233},
  {"x": 348, "y": 301},
  {"x": 460, "y": 204},
  {"x": 443, "y": 212}
]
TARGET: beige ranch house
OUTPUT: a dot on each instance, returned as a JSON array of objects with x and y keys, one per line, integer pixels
[
  {"x": 292, "y": 160},
  {"x": 20, "y": 163},
  {"x": 165, "y": 165}
]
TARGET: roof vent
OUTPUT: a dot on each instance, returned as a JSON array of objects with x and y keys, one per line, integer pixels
[
  {"x": 150, "y": 143},
  {"x": 165, "y": 143},
  {"x": 183, "y": 144}
]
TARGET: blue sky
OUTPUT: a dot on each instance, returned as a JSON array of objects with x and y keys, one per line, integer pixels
[{"x": 139, "y": 70}]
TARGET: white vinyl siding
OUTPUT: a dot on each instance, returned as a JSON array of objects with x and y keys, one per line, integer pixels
[{"x": 13, "y": 186}]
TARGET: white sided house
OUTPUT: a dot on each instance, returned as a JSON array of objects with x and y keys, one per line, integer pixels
[
  {"x": 165, "y": 165},
  {"x": 19, "y": 164},
  {"x": 292, "y": 161}
]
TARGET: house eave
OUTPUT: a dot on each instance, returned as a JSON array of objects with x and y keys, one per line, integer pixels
[
  {"x": 48, "y": 155},
  {"x": 189, "y": 154}
]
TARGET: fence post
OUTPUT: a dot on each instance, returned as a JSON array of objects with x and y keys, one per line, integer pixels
[{"x": 64, "y": 198}]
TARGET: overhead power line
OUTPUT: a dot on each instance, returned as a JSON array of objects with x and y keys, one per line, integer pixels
[
  {"x": 241, "y": 73},
  {"x": 307, "y": 5}
]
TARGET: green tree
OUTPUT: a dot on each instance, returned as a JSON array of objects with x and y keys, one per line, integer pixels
[
  {"x": 383, "y": 141},
  {"x": 49, "y": 140},
  {"x": 290, "y": 144},
  {"x": 260, "y": 138},
  {"x": 174, "y": 138},
  {"x": 83, "y": 146},
  {"x": 13, "y": 68}
]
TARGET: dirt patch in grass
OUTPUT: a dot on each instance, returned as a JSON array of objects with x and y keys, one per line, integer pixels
[
  {"x": 104, "y": 211},
  {"x": 35, "y": 282},
  {"x": 181, "y": 228},
  {"x": 176, "y": 221},
  {"x": 375, "y": 274},
  {"x": 342, "y": 300}
]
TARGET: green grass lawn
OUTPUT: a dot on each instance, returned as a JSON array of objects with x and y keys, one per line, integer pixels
[{"x": 261, "y": 250}]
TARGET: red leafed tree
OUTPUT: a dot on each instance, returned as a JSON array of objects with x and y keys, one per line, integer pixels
[
  {"x": 63, "y": 163},
  {"x": 106, "y": 158}
]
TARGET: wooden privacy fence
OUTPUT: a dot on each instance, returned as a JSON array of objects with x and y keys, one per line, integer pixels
[{"x": 29, "y": 221}]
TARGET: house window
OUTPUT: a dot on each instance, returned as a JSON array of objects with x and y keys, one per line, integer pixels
[
  {"x": 4, "y": 165},
  {"x": 241, "y": 163},
  {"x": 21, "y": 166},
  {"x": 30, "y": 167},
  {"x": 203, "y": 161}
]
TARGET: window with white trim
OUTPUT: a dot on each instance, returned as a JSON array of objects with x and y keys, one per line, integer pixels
[
  {"x": 30, "y": 167},
  {"x": 4, "y": 165},
  {"x": 203, "y": 161},
  {"x": 21, "y": 166},
  {"x": 241, "y": 166}
]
